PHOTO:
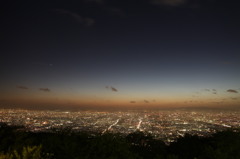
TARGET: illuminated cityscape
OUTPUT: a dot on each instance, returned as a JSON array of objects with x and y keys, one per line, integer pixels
[
  {"x": 120, "y": 79},
  {"x": 165, "y": 125}
]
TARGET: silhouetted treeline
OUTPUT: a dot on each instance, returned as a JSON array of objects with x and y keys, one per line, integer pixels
[{"x": 16, "y": 143}]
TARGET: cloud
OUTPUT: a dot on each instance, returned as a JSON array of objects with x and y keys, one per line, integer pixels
[
  {"x": 232, "y": 91},
  {"x": 146, "y": 101},
  {"x": 22, "y": 87},
  {"x": 111, "y": 88},
  {"x": 234, "y": 98},
  {"x": 133, "y": 102},
  {"x": 169, "y": 2},
  {"x": 44, "y": 89},
  {"x": 214, "y": 91},
  {"x": 78, "y": 18}
]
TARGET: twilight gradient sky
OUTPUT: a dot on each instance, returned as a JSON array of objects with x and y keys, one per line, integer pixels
[{"x": 120, "y": 53}]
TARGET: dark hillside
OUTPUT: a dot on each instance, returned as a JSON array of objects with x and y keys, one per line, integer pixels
[{"x": 16, "y": 143}]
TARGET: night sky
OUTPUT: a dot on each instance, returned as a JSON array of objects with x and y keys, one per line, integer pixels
[{"x": 120, "y": 54}]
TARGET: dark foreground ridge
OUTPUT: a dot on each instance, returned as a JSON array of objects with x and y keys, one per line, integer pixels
[{"x": 17, "y": 143}]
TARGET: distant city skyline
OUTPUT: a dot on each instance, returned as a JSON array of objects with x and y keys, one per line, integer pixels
[{"x": 165, "y": 125}]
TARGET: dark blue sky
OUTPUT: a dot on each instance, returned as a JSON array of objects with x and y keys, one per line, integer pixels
[{"x": 120, "y": 53}]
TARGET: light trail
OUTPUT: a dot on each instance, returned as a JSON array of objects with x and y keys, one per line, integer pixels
[
  {"x": 139, "y": 124},
  {"x": 110, "y": 126}
]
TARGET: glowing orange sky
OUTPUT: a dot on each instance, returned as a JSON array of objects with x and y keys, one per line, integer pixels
[{"x": 202, "y": 98}]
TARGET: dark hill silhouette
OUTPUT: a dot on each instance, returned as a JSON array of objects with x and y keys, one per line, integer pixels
[{"x": 17, "y": 143}]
